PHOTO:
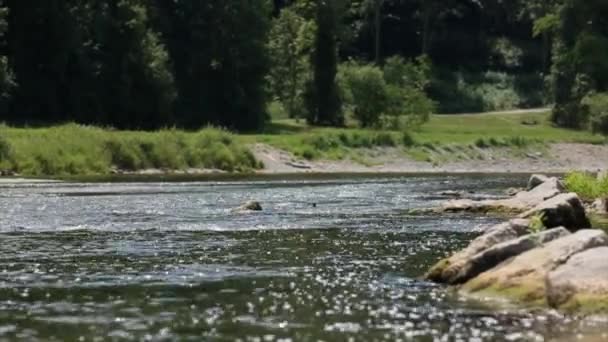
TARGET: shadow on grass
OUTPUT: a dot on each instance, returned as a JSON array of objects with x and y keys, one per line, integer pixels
[{"x": 285, "y": 127}]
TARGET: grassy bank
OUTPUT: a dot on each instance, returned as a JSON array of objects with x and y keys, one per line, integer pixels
[
  {"x": 79, "y": 150},
  {"x": 444, "y": 138}
]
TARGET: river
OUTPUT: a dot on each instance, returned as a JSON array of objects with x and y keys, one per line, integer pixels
[{"x": 327, "y": 260}]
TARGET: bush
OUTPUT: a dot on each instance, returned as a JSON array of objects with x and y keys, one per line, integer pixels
[
  {"x": 384, "y": 139},
  {"x": 481, "y": 143},
  {"x": 366, "y": 92},
  {"x": 407, "y": 140},
  {"x": 467, "y": 92},
  {"x": 586, "y": 185},
  {"x": 6, "y": 150},
  {"x": 597, "y": 107},
  {"x": 393, "y": 97}
]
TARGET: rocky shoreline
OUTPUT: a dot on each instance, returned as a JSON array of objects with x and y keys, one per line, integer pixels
[{"x": 548, "y": 255}]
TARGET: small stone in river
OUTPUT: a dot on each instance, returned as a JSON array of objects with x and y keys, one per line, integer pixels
[{"x": 251, "y": 206}]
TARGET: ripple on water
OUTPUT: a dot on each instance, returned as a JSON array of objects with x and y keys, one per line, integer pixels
[{"x": 173, "y": 261}]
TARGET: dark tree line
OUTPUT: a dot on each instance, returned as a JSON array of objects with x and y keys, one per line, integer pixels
[{"x": 144, "y": 64}]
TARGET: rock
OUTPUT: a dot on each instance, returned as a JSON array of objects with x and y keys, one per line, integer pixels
[
  {"x": 445, "y": 270},
  {"x": 250, "y": 206},
  {"x": 523, "y": 277},
  {"x": 513, "y": 191},
  {"x": 521, "y": 202},
  {"x": 451, "y": 193},
  {"x": 565, "y": 210},
  {"x": 536, "y": 180},
  {"x": 599, "y": 206},
  {"x": 581, "y": 284},
  {"x": 298, "y": 165},
  {"x": 496, "y": 254}
]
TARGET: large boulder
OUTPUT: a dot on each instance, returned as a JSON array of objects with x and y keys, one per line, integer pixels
[
  {"x": 565, "y": 210},
  {"x": 445, "y": 270},
  {"x": 581, "y": 284},
  {"x": 523, "y": 277},
  {"x": 496, "y": 254},
  {"x": 520, "y": 202}
]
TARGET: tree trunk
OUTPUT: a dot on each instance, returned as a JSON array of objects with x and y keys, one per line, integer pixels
[{"x": 378, "y": 31}]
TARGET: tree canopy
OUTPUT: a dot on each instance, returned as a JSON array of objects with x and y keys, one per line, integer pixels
[{"x": 139, "y": 64}]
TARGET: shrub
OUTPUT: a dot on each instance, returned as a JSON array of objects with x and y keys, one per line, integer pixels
[
  {"x": 481, "y": 143},
  {"x": 6, "y": 150},
  {"x": 407, "y": 140},
  {"x": 366, "y": 92},
  {"x": 597, "y": 107},
  {"x": 393, "y": 97},
  {"x": 124, "y": 155},
  {"x": 586, "y": 185},
  {"x": 384, "y": 139}
]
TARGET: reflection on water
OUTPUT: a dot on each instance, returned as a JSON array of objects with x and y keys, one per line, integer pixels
[{"x": 172, "y": 261}]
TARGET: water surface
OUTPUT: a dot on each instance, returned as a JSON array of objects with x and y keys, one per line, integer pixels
[{"x": 172, "y": 261}]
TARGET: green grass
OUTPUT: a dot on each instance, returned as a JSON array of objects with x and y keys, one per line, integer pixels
[
  {"x": 587, "y": 186},
  {"x": 81, "y": 150},
  {"x": 442, "y": 138}
]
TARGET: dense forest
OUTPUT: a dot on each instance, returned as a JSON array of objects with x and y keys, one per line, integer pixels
[{"x": 189, "y": 63}]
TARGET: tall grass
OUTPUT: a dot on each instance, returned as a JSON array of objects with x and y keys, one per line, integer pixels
[
  {"x": 336, "y": 144},
  {"x": 82, "y": 150},
  {"x": 586, "y": 185}
]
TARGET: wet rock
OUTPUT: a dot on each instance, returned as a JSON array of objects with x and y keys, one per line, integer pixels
[
  {"x": 451, "y": 193},
  {"x": 250, "y": 206},
  {"x": 565, "y": 210},
  {"x": 496, "y": 254},
  {"x": 599, "y": 206},
  {"x": 536, "y": 180},
  {"x": 513, "y": 191},
  {"x": 445, "y": 270},
  {"x": 523, "y": 277},
  {"x": 521, "y": 202},
  {"x": 581, "y": 284}
]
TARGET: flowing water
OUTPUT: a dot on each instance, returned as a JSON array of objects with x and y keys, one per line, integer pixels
[{"x": 172, "y": 261}]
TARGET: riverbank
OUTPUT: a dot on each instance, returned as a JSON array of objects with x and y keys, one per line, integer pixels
[
  {"x": 518, "y": 142},
  {"x": 550, "y": 254}
]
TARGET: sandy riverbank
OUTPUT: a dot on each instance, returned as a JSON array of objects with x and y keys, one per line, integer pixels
[{"x": 558, "y": 158}]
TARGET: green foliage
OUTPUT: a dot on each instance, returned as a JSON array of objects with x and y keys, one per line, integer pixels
[
  {"x": 290, "y": 42},
  {"x": 466, "y": 92},
  {"x": 537, "y": 223},
  {"x": 6, "y": 153},
  {"x": 366, "y": 92},
  {"x": 143, "y": 90},
  {"x": 323, "y": 99},
  {"x": 597, "y": 108},
  {"x": 580, "y": 65},
  {"x": 7, "y": 78},
  {"x": 393, "y": 97},
  {"x": 587, "y": 186},
  {"x": 80, "y": 150},
  {"x": 547, "y": 23}
]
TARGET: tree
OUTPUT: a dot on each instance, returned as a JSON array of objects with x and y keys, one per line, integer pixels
[
  {"x": 290, "y": 45},
  {"x": 7, "y": 78},
  {"x": 580, "y": 65},
  {"x": 220, "y": 58},
  {"x": 367, "y": 92},
  {"x": 323, "y": 98},
  {"x": 140, "y": 91}
]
